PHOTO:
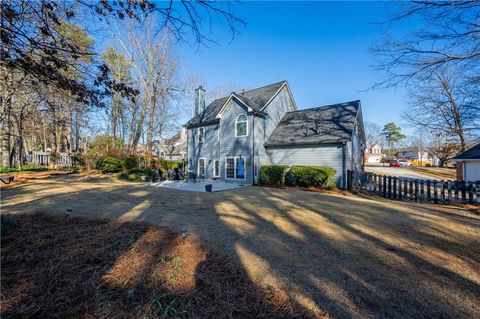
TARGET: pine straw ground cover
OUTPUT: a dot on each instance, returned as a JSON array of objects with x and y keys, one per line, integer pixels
[{"x": 74, "y": 267}]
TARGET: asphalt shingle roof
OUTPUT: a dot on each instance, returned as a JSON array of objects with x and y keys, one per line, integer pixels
[
  {"x": 256, "y": 99},
  {"x": 320, "y": 125},
  {"x": 471, "y": 153}
]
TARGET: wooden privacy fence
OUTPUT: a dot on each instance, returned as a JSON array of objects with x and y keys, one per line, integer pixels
[{"x": 418, "y": 190}]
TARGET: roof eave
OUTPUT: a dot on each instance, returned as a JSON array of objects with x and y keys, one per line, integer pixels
[
  {"x": 266, "y": 145},
  {"x": 212, "y": 122}
]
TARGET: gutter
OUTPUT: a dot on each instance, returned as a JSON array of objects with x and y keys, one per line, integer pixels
[
  {"x": 253, "y": 149},
  {"x": 344, "y": 165}
]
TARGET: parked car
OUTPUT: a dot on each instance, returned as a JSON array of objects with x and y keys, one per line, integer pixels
[
  {"x": 404, "y": 163},
  {"x": 394, "y": 163}
]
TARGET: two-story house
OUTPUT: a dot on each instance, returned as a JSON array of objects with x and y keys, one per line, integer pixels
[
  {"x": 373, "y": 154},
  {"x": 233, "y": 136}
]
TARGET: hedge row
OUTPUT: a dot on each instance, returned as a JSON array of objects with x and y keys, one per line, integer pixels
[
  {"x": 273, "y": 174},
  {"x": 297, "y": 175},
  {"x": 136, "y": 174}
]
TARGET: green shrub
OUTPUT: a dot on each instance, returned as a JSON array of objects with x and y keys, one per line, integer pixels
[
  {"x": 273, "y": 174},
  {"x": 320, "y": 176},
  {"x": 130, "y": 162},
  {"x": 135, "y": 175},
  {"x": 108, "y": 164},
  {"x": 26, "y": 167},
  {"x": 6, "y": 223}
]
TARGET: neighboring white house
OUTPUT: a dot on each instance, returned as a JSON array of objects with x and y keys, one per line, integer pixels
[
  {"x": 468, "y": 164},
  {"x": 412, "y": 154},
  {"x": 415, "y": 154},
  {"x": 373, "y": 154},
  {"x": 174, "y": 148}
]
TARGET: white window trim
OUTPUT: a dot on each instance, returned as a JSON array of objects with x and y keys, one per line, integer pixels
[
  {"x": 214, "y": 162},
  {"x": 204, "y": 166},
  {"x": 235, "y": 168},
  {"x": 246, "y": 122},
  {"x": 203, "y": 134}
]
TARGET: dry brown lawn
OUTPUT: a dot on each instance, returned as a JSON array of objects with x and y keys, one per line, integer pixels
[
  {"x": 437, "y": 172},
  {"x": 337, "y": 255}
]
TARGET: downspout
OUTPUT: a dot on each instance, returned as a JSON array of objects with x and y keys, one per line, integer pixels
[
  {"x": 344, "y": 165},
  {"x": 253, "y": 149}
]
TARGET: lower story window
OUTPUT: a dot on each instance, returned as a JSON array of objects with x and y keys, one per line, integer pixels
[
  {"x": 216, "y": 168},
  {"x": 230, "y": 167},
  {"x": 201, "y": 166}
]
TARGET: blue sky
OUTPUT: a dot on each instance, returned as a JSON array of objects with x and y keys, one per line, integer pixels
[{"x": 321, "y": 48}]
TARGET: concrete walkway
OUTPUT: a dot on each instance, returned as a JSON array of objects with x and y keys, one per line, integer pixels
[{"x": 217, "y": 186}]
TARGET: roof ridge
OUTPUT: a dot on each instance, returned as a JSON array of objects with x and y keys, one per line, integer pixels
[
  {"x": 261, "y": 87},
  {"x": 324, "y": 106}
]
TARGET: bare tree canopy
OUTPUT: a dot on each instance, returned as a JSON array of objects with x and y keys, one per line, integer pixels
[
  {"x": 33, "y": 44},
  {"x": 445, "y": 104},
  {"x": 447, "y": 36}
]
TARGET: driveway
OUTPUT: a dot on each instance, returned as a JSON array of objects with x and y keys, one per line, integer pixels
[
  {"x": 398, "y": 171},
  {"x": 339, "y": 256}
]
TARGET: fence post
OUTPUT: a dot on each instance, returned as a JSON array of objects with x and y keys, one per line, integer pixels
[
  {"x": 429, "y": 192},
  {"x": 435, "y": 194},
  {"x": 380, "y": 185},
  {"x": 385, "y": 186},
  {"x": 422, "y": 190},
  {"x": 470, "y": 193},
  {"x": 410, "y": 190},
  {"x": 455, "y": 188},
  {"x": 464, "y": 192},
  {"x": 400, "y": 182},
  {"x": 477, "y": 184},
  {"x": 416, "y": 190},
  {"x": 389, "y": 189},
  {"x": 449, "y": 192},
  {"x": 374, "y": 183},
  {"x": 395, "y": 188},
  {"x": 349, "y": 179}
]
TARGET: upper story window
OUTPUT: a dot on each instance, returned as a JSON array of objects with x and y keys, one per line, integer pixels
[
  {"x": 201, "y": 133},
  {"x": 241, "y": 125}
]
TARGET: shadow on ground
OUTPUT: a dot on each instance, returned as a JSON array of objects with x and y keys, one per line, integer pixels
[{"x": 337, "y": 256}]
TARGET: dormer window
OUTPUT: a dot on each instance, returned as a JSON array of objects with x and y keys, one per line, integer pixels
[
  {"x": 201, "y": 132},
  {"x": 241, "y": 126}
]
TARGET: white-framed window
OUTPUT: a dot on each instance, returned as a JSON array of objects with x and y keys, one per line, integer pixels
[
  {"x": 216, "y": 168},
  {"x": 201, "y": 133},
  {"x": 201, "y": 166},
  {"x": 230, "y": 167},
  {"x": 241, "y": 125},
  {"x": 235, "y": 168}
]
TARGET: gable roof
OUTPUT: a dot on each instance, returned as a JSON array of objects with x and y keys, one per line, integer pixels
[
  {"x": 471, "y": 153},
  {"x": 320, "y": 125},
  {"x": 255, "y": 99}
]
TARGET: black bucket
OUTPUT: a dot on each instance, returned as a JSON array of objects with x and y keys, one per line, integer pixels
[{"x": 208, "y": 188}]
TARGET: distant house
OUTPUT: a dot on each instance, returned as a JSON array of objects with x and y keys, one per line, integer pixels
[
  {"x": 373, "y": 154},
  {"x": 412, "y": 154},
  {"x": 232, "y": 137},
  {"x": 174, "y": 148},
  {"x": 415, "y": 154},
  {"x": 468, "y": 164}
]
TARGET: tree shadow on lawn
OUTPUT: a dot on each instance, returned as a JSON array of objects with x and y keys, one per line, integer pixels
[
  {"x": 338, "y": 256},
  {"x": 75, "y": 267}
]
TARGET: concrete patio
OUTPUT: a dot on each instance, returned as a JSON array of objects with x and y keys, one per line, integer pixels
[{"x": 217, "y": 186}]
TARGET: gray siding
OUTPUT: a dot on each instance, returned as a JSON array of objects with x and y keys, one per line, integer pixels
[
  {"x": 232, "y": 146},
  {"x": 264, "y": 126},
  {"x": 323, "y": 155},
  {"x": 208, "y": 149}
]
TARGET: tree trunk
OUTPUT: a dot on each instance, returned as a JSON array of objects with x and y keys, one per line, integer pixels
[{"x": 457, "y": 118}]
